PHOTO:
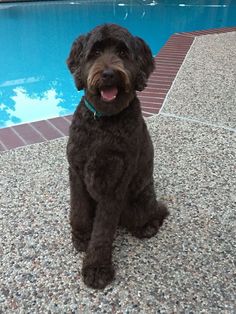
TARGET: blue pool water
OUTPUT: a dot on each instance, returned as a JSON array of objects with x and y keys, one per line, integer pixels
[{"x": 35, "y": 39}]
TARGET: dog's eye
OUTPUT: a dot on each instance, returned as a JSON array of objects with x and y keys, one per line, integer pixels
[
  {"x": 122, "y": 53},
  {"x": 97, "y": 52}
]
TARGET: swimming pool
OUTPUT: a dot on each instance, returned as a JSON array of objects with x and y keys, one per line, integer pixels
[{"x": 35, "y": 39}]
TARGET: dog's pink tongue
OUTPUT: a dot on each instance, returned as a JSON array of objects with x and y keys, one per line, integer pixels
[{"x": 108, "y": 94}]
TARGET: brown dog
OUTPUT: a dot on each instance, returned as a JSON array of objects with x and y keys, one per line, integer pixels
[{"x": 110, "y": 152}]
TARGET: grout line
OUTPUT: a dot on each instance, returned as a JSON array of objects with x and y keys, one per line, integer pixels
[
  {"x": 152, "y": 95},
  {"x": 177, "y": 57},
  {"x": 168, "y": 66},
  {"x": 158, "y": 77},
  {"x": 147, "y": 98},
  {"x": 160, "y": 74},
  {"x": 186, "y": 35},
  {"x": 67, "y": 120},
  {"x": 155, "y": 103},
  {"x": 163, "y": 105},
  {"x": 149, "y": 113},
  {"x": 152, "y": 108},
  {"x": 198, "y": 121},
  {"x": 160, "y": 85},
  {"x": 36, "y": 130},
  {"x": 153, "y": 89},
  {"x": 3, "y": 145},
  {"x": 32, "y": 144},
  {"x": 169, "y": 63},
  {"x": 61, "y": 133},
  {"x": 20, "y": 137},
  {"x": 175, "y": 43},
  {"x": 165, "y": 57}
]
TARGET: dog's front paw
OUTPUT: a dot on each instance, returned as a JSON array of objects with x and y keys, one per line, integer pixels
[
  {"x": 98, "y": 276},
  {"x": 80, "y": 244}
]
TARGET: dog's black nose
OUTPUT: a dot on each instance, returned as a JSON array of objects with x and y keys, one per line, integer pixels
[{"x": 108, "y": 74}]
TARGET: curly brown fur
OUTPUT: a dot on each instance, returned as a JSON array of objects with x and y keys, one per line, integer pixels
[{"x": 110, "y": 157}]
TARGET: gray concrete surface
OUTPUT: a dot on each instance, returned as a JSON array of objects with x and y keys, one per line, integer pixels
[
  {"x": 205, "y": 88},
  {"x": 187, "y": 268}
]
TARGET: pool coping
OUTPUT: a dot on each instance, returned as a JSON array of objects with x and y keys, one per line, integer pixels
[{"x": 168, "y": 62}]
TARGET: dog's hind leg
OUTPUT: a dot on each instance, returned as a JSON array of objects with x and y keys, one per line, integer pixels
[
  {"x": 144, "y": 214},
  {"x": 81, "y": 212}
]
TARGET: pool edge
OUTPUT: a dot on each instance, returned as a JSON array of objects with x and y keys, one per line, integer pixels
[{"x": 168, "y": 62}]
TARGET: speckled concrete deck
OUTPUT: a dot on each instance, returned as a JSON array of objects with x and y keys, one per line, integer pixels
[
  {"x": 187, "y": 268},
  {"x": 206, "y": 86}
]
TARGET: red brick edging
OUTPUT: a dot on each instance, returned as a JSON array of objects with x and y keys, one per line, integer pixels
[{"x": 168, "y": 62}]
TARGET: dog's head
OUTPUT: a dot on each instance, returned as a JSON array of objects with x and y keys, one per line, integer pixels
[{"x": 110, "y": 65}]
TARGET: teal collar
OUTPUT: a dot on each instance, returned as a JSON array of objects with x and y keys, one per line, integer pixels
[{"x": 96, "y": 114}]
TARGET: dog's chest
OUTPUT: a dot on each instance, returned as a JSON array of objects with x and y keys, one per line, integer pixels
[
  {"x": 99, "y": 136},
  {"x": 89, "y": 138}
]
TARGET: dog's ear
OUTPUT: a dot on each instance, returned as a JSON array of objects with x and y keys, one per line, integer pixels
[
  {"x": 74, "y": 60},
  {"x": 145, "y": 61}
]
